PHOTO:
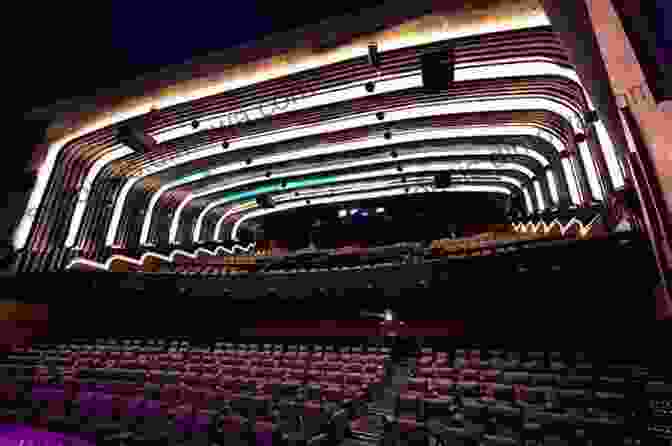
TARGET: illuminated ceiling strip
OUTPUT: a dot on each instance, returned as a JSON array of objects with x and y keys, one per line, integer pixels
[
  {"x": 518, "y": 67},
  {"x": 170, "y": 258},
  {"x": 537, "y": 18},
  {"x": 375, "y": 174},
  {"x": 253, "y": 204},
  {"x": 85, "y": 190},
  {"x": 528, "y": 200},
  {"x": 401, "y": 138},
  {"x": 573, "y": 188},
  {"x": 552, "y": 186},
  {"x": 365, "y": 196},
  {"x": 610, "y": 156},
  {"x": 540, "y": 196},
  {"x": 367, "y": 119},
  {"x": 591, "y": 172},
  {"x": 458, "y": 165},
  {"x": 291, "y": 184},
  {"x": 511, "y": 70}
]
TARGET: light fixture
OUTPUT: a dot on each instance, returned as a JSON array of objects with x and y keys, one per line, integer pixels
[
  {"x": 380, "y": 210},
  {"x": 342, "y": 213},
  {"x": 284, "y": 183},
  {"x": 400, "y": 169},
  {"x": 225, "y": 145},
  {"x": 394, "y": 154},
  {"x": 248, "y": 161},
  {"x": 388, "y": 135},
  {"x": 380, "y": 116},
  {"x": 307, "y": 201},
  {"x": 370, "y": 86},
  {"x": 268, "y": 174},
  {"x": 195, "y": 124}
]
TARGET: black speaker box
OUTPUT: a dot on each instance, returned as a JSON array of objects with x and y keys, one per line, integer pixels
[
  {"x": 438, "y": 70},
  {"x": 442, "y": 180},
  {"x": 265, "y": 201}
]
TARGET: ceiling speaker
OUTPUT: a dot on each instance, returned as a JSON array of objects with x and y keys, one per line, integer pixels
[
  {"x": 265, "y": 201},
  {"x": 442, "y": 180},
  {"x": 438, "y": 70}
]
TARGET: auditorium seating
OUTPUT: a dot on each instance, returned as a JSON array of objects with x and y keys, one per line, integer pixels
[
  {"x": 146, "y": 389},
  {"x": 244, "y": 390}
]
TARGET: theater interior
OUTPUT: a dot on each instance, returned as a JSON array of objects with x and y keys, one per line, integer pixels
[{"x": 438, "y": 223}]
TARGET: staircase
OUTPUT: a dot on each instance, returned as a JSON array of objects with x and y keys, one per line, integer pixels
[{"x": 383, "y": 408}]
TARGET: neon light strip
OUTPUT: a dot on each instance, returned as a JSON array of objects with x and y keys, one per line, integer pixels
[
  {"x": 23, "y": 229},
  {"x": 461, "y": 165},
  {"x": 176, "y": 217},
  {"x": 414, "y": 181},
  {"x": 610, "y": 156},
  {"x": 170, "y": 258},
  {"x": 540, "y": 196},
  {"x": 591, "y": 172},
  {"x": 528, "y": 201},
  {"x": 387, "y": 193},
  {"x": 512, "y": 70},
  {"x": 518, "y": 67},
  {"x": 252, "y": 204},
  {"x": 349, "y": 177},
  {"x": 573, "y": 188},
  {"x": 411, "y": 136},
  {"x": 86, "y": 187},
  {"x": 552, "y": 186}
]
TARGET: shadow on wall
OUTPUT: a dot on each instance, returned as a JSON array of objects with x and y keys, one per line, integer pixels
[{"x": 21, "y": 322}]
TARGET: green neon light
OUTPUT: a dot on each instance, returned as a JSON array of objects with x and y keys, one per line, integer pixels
[{"x": 277, "y": 187}]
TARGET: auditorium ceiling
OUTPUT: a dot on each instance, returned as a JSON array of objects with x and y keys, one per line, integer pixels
[{"x": 318, "y": 123}]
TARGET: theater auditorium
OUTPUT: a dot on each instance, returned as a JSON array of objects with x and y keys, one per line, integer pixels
[{"x": 438, "y": 223}]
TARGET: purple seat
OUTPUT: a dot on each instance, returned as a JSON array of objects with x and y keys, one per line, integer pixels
[{"x": 48, "y": 393}]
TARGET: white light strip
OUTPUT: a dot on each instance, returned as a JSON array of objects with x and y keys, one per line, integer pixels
[
  {"x": 552, "y": 186},
  {"x": 573, "y": 188},
  {"x": 386, "y": 84},
  {"x": 401, "y": 138},
  {"x": 461, "y": 165},
  {"x": 540, "y": 196},
  {"x": 591, "y": 172},
  {"x": 45, "y": 171},
  {"x": 514, "y": 69},
  {"x": 528, "y": 201},
  {"x": 411, "y": 182},
  {"x": 170, "y": 258},
  {"x": 80, "y": 207},
  {"x": 610, "y": 156},
  {"x": 365, "y": 196}
]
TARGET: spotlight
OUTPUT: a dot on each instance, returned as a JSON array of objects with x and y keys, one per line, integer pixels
[
  {"x": 403, "y": 179},
  {"x": 284, "y": 183},
  {"x": 400, "y": 169},
  {"x": 394, "y": 154},
  {"x": 307, "y": 201},
  {"x": 268, "y": 174},
  {"x": 370, "y": 86},
  {"x": 388, "y": 135},
  {"x": 380, "y": 116},
  {"x": 195, "y": 124},
  {"x": 406, "y": 190},
  {"x": 248, "y": 161},
  {"x": 225, "y": 145}
]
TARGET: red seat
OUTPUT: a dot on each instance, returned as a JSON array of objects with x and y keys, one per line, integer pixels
[
  {"x": 425, "y": 372},
  {"x": 334, "y": 377},
  {"x": 447, "y": 372},
  {"x": 418, "y": 384}
]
